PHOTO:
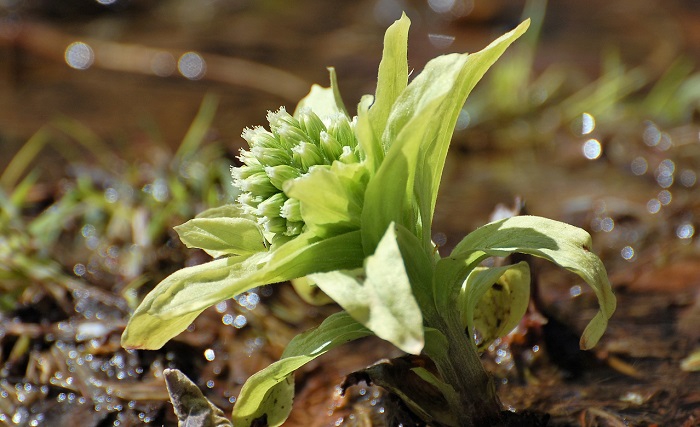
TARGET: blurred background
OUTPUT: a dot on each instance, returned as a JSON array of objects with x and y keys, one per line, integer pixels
[{"x": 120, "y": 119}]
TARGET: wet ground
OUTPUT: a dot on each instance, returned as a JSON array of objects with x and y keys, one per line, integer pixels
[{"x": 596, "y": 125}]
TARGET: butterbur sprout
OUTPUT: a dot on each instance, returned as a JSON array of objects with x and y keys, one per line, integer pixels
[
  {"x": 289, "y": 150},
  {"x": 346, "y": 205}
]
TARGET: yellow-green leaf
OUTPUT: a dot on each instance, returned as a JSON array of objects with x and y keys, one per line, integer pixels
[
  {"x": 494, "y": 300},
  {"x": 380, "y": 296},
  {"x": 270, "y": 392},
  {"x": 560, "y": 243}
]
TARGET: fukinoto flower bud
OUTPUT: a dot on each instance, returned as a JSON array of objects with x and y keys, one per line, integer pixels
[
  {"x": 258, "y": 184},
  {"x": 292, "y": 136},
  {"x": 311, "y": 124},
  {"x": 286, "y": 152},
  {"x": 339, "y": 127},
  {"x": 272, "y": 206},
  {"x": 280, "y": 174},
  {"x": 279, "y": 118},
  {"x": 271, "y": 156},
  {"x": 332, "y": 149},
  {"x": 291, "y": 210},
  {"x": 348, "y": 155},
  {"x": 275, "y": 225},
  {"x": 249, "y": 203},
  {"x": 305, "y": 155},
  {"x": 259, "y": 137}
]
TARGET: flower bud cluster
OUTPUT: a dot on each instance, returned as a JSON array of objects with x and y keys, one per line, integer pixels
[{"x": 287, "y": 151}]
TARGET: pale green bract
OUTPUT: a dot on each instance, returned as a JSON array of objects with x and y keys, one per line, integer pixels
[{"x": 348, "y": 203}]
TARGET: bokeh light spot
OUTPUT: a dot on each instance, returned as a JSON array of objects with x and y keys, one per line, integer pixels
[
  {"x": 688, "y": 178},
  {"x": 163, "y": 64},
  {"x": 627, "y": 253},
  {"x": 651, "y": 135},
  {"x": 192, "y": 66},
  {"x": 441, "y": 6},
  {"x": 587, "y": 123},
  {"x": 463, "y": 120},
  {"x": 441, "y": 41},
  {"x": 79, "y": 55},
  {"x": 639, "y": 166},
  {"x": 592, "y": 149},
  {"x": 685, "y": 231},
  {"x": 653, "y": 206}
]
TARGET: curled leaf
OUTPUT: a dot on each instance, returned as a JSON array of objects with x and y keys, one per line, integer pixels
[
  {"x": 560, "y": 243},
  {"x": 493, "y": 300}
]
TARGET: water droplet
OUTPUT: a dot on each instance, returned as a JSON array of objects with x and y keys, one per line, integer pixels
[
  {"x": 653, "y": 206},
  {"x": 441, "y": 41},
  {"x": 163, "y": 64},
  {"x": 79, "y": 55},
  {"x": 639, "y": 166},
  {"x": 227, "y": 319},
  {"x": 587, "y": 123},
  {"x": 665, "y": 142},
  {"x": 160, "y": 190},
  {"x": 667, "y": 166},
  {"x": 221, "y": 307},
  {"x": 21, "y": 416},
  {"x": 253, "y": 299},
  {"x": 440, "y": 239},
  {"x": 575, "y": 291},
  {"x": 88, "y": 230},
  {"x": 651, "y": 135},
  {"x": 688, "y": 178},
  {"x": 628, "y": 253},
  {"x": 592, "y": 149},
  {"x": 463, "y": 120},
  {"x": 79, "y": 269},
  {"x": 664, "y": 173},
  {"x": 209, "y": 354},
  {"x": 441, "y": 6},
  {"x": 664, "y": 197},
  {"x": 111, "y": 195},
  {"x": 210, "y": 384},
  {"x": 685, "y": 231},
  {"x": 240, "y": 321},
  {"x": 192, "y": 66}
]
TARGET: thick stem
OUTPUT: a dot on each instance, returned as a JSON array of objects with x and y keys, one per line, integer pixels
[{"x": 461, "y": 367}]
